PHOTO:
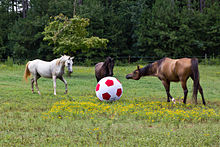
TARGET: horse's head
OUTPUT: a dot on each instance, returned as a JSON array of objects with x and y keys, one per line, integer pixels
[
  {"x": 69, "y": 64},
  {"x": 110, "y": 65},
  {"x": 135, "y": 75}
]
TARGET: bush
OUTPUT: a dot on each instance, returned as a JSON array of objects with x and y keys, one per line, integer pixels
[
  {"x": 9, "y": 61},
  {"x": 211, "y": 61}
]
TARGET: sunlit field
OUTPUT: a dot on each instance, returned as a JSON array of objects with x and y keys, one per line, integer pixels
[{"x": 142, "y": 117}]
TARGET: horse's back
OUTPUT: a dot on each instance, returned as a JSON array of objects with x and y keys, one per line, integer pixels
[
  {"x": 98, "y": 66},
  {"x": 43, "y": 68},
  {"x": 37, "y": 63},
  {"x": 167, "y": 69},
  {"x": 176, "y": 69},
  {"x": 99, "y": 71},
  {"x": 184, "y": 67},
  {"x": 184, "y": 63}
]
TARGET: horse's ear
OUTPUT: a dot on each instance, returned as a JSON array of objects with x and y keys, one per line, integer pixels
[
  {"x": 71, "y": 58},
  {"x": 113, "y": 60},
  {"x": 138, "y": 67}
]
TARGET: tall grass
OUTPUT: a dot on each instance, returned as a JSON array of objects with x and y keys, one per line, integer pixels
[{"x": 137, "y": 119}]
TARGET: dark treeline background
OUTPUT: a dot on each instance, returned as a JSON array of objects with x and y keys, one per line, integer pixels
[{"x": 135, "y": 28}]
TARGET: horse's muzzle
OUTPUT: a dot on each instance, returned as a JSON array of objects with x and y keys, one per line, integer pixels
[
  {"x": 128, "y": 76},
  {"x": 111, "y": 75}
]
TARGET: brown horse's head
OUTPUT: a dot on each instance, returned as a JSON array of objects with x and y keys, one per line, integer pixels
[
  {"x": 135, "y": 75},
  {"x": 109, "y": 62}
]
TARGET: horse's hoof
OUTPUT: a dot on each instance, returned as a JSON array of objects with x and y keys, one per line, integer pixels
[{"x": 173, "y": 100}]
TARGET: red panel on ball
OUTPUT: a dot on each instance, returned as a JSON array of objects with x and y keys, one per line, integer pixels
[
  {"x": 119, "y": 92},
  {"x": 118, "y": 81},
  {"x": 106, "y": 96},
  {"x": 97, "y": 87},
  {"x": 109, "y": 83}
]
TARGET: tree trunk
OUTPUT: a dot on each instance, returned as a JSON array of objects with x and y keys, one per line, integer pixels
[
  {"x": 74, "y": 8},
  {"x": 12, "y": 5},
  {"x": 172, "y": 3},
  {"x": 189, "y": 4},
  {"x": 24, "y": 8},
  {"x": 202, "y": 5},
  {"x": 80, "y": 2},
  {"x": 16, "y": 8}
]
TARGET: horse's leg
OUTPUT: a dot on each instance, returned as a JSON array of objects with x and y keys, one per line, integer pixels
[
  {"x": 36, "y": 85},
  {"x": 201, "y": 92},
  {"x": 54, "y": 84},
  {"x": 185, "y": 90},
  {"x": 32, "y": 85},
  {"x": 64, "y": 81},
  {"x": 166, "y": 85},
  {"x": 97, "y": 79}
]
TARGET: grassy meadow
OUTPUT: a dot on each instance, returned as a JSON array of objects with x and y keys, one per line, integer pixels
[{"x": 142, "y": 117}]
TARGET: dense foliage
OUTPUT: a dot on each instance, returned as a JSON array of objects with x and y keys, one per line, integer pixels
[
  {"x": 140, "y": 28},
  {"x": 70, "y": 35}
]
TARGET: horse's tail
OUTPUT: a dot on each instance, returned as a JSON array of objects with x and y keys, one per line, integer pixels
[
  {"x": 27, "y": 72},
  {"x": 195, "y": 76}
]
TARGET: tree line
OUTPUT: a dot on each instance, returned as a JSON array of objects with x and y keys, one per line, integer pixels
[{"x": 140, "y": 28}]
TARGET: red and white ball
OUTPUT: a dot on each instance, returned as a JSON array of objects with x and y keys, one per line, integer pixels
[{"x": 109, "y": 89}]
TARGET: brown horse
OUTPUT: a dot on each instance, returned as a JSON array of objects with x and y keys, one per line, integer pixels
[
  {"x": 173, "y": 70},
  {"x": 104, "y": 69}
]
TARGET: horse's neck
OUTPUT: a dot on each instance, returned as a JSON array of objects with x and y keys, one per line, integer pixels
[
  {"x": 60, "y": 68},
  {"x": 149, "y": 70},
  {"x": 105, "y": 66}
]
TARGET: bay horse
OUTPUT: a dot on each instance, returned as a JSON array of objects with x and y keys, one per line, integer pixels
[
  {"x": 172, "y": 70},
  {"x": 104, "y": 69},
  {"x": 53, "y": 69}
]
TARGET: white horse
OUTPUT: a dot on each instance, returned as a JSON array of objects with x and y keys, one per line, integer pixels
[{"x": 54, "y": 69}]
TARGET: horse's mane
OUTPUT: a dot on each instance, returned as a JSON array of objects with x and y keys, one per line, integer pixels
[
  {"x": 146, "y": 70},
  {"x": 58, "y": 62},
  {"x": 159, "y": 62},
  {"x": 107, "y": 61}
]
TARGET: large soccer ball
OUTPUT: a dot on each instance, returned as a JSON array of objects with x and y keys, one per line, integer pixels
[{"x": 109, "y": 89}]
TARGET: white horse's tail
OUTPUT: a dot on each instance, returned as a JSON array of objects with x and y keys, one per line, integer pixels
[{"x": 26, "y": 72}]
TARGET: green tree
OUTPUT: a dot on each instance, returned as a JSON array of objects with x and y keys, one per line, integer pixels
[
  {"x": 7, "y": 18},
  {"x": 70, "y": 35},
  {"x": 25, "y": 39},
  {"x": 179, "y": 29}
]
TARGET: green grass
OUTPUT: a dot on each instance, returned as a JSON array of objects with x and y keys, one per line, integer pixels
[{"x": 23, "y": 121}]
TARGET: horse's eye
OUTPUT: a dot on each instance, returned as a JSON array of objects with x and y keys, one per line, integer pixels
[
  {"x": 68, "y": 63},
  {"x": 135, "y": 73}
]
